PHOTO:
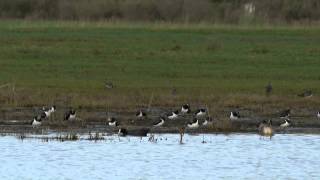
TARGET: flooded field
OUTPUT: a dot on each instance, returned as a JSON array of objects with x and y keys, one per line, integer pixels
[{"x": 209, "y": 156}]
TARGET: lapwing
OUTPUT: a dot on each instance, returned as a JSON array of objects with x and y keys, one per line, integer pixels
[
  {"x": 173, "y": 115},
  {"x": 200, "y": 112},
  {"x": 185, "y": 109},
  {"x": 286, "y": 123},
  {"x": 160, "y": 122},
  {"x": 70, "y": 115},
  {"x": 234, "y": 115},
  {"x": 122, "y": 132},
  {"x": 112, "y": 121},
  {"x": 194, "y": 124},
  {"x": 37, "y": 120},
  {"x": 207, "y": 121},
  {"x": 141, "y": 114},
  {"x": 285, "y": 113}
]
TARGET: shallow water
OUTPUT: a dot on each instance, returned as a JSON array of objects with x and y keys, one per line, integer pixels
[{"x": 236, "y": 156}]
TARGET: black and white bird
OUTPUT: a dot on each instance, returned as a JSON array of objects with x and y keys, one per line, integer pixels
[
  {"x": 37, "y": 120},
  {"x": 200, "y": 112},
  {"x": 112, "y": 121},
  {"x": 285, "y": 113},
  {"x": 318, "y": 114},
  {"x": 122, "y": 132},
  {"x": 43, "y": 115},
  {"x": 141, "y": 114},
  {"x": 48, "y": 111},
  {"x": 70, "y": 115},
  {"x": 234, "y": 115},
  {"x": 160, "y": 122},
  {"x": 194, "y": 124},
  {"x": 207, "y": 121},
  {"x": 173, "y": 115},
  {"x": 286, "y": 123},
  {"x": 185, "y": 109}
]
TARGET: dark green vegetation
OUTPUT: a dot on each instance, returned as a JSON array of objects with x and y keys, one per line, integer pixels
[
  {"x": 212, "y": 11},
  {"x": 68, "y": 63}
]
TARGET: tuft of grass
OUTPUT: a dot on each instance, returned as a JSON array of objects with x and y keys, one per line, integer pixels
[
  {"x": 96, "y": 137},
  {"x": 68, "y": 137},
  {"x": 21, "y": 136}
]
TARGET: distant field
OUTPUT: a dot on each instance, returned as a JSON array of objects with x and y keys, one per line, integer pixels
[{"x": 51, "y": 61}]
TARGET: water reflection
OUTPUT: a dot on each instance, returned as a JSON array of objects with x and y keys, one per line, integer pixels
[{"x": 236, "y": 156}]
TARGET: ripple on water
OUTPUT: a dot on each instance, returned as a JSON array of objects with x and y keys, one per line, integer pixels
[{"x": 240, "y": 156}]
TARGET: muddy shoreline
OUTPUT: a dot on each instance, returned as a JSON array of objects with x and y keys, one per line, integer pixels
[{"x": 18, "y": 120}]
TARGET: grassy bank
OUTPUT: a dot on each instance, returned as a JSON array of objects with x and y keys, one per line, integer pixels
[{"x": 68, "y": 63}]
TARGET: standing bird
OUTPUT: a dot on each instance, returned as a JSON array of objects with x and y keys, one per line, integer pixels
[
  {"x": 43, "y": 115},
  {"x": 122, "y": 132},
  {"x": 286, "y": 123},
  {"x": 207, "y": 121},
  {"x": 234, "y": 115},
  {"x": 112, "y": 121},
  {"x": 185, "y": 109},
  {"x": 48, "y": 111},
  {"x": 265, "y": 129},
  {"x": 285, "y": 113},
  {"x": 70, "y": 115},
  {"x": 200, "y": 112},
  {"x": 173, "y": 115},
  {"x": 268, "y": 89},
  {"x": 318, "y": 115},
  {"x": 140, "y": 114},
  {"x": 159, "y": 123},
  {"x": 36, "y": 121},
  {"x": 194, "y": 124}
]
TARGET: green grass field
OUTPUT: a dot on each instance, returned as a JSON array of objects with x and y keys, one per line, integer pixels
[{"x": 51, "y": 61}]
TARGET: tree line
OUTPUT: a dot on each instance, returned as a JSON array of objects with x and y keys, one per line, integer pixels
[{"x": 211, "y": 11}]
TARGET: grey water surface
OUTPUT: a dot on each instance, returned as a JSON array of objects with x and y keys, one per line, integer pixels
[{"x": 235, "y": 156}]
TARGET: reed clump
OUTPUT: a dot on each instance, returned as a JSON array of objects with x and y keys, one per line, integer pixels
[
  {"x": 68, "y": 137},
  {"x": 95, "y": 137}
]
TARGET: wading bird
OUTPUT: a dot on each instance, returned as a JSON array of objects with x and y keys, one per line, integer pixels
[
  {"x": 265, "y": 128},
  {"x": 207, "y": 121},
  {"x": 286, "y": 123},
  {"x": 234, "y": 115},
  {"x": 122, "y": 132},
  {"x": 285, "y": 113},
  {"x": 185, "y": 109},
  {"x": 160, "y": 122},
  {"x": 200, "y": 112},
  {"x": 141, "y": 114},
  {"x": 194, "y": 124},
  {"x": 173, "y": 115},
  {"x": 70, "y": 115},
  {"x": 112, "y": 121},
  {"x": 36, "y": 121}
]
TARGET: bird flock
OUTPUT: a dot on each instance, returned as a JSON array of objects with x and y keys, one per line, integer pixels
[
  {"x": 46, "y": 113},
  {"x": 199, "y": 114},
  {"x": 200, "y": 117}
]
